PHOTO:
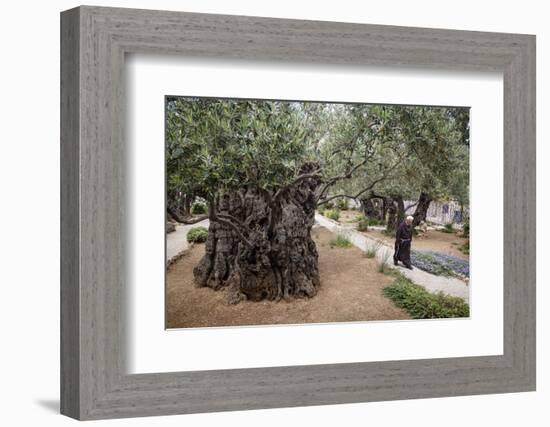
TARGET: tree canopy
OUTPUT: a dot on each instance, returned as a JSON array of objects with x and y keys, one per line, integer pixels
[{"x": 218, "y": 145}]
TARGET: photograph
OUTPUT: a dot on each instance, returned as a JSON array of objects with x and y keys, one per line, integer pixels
[{"x": 297, "y": 212}]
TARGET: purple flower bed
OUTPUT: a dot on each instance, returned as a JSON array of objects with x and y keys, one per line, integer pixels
[{"x": 440, "y": 264}]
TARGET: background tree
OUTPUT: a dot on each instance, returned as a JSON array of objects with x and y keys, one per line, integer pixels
[
  {"x": 183, "y": 156},
  {"x": 436, "y": 165},
  {"x": 363, "y": 150},
  {"x": 438, "y": 143}
]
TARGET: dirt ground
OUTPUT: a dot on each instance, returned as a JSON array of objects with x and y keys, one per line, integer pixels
[
  {"x": 347, "y": 217},
  {"x": 432, "y": 240},
  {"x": 351, "y": 290}
]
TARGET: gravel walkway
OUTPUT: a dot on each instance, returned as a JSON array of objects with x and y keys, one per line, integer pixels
[
  {"x": 176, "y": 241},
  {"x": 431, "y": 282}
]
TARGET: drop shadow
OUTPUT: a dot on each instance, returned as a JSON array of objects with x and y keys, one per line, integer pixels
[{"x": 51, "y": 405}]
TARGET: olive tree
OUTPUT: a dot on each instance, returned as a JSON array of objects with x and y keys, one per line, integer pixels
[{"x": 249, "y": 161}]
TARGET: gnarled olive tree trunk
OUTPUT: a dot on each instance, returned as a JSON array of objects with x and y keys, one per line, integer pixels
[{"x": 259, "y": 244}]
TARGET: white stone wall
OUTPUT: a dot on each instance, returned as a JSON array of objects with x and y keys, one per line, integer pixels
[{"x": 440, "y": 212}]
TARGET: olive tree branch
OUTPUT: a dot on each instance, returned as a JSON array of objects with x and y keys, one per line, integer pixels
[{"x": 386, "y": 175}]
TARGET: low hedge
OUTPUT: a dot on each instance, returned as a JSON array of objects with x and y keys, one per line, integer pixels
[
  {"x": 363, "y": 224},
  {"x": 421, "y": 304},
  {"x": 197, "y": 235},
  {"x": 198, "y": 208}
]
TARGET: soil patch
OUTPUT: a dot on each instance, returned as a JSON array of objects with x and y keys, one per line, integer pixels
[
  {"x": 349, "y": 216},
  {"x": 351, "y": 290}
]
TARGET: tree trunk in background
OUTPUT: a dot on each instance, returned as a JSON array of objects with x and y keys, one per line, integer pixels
[
  {"x": 396, "y": 212},
  {"x": 368, "y": 208},
  {"x": 391, "y": 224},
  {"x": 176, "y": 216},
  {"x": 186, "y": 205},
  {"x": 421, "y": 208},
  {"x": 179, "y": 209},
  {"x": 386, "y": 205},
  {"x": 280, "y": 259},
  {"x": 400, "y": 214},
  {"x": 175, "y": 206},
  {"x": 379, "y": 208}
]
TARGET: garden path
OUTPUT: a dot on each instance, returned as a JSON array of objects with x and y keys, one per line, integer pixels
[
  {"x": 176, "y": 241},
  {"x": 431, "y": 282}
]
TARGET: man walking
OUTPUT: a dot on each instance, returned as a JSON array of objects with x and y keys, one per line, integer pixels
[{"x": 403, "y": 239}]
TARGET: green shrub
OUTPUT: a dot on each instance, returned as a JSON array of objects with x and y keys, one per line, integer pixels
[
  {"x": 448, "y": 228},
  {"x": 421, "y": 304},
  {"x": 332, "y": 214},
  {"x": 329, "y": 205},
  {"x": 375, "y": 221},
  {"x": 466, "y": 229},
  {"x": 341, "y": 241},
  {"x": 383, "y": 266},
  {"x": 197, "y": 235},
  {"x": 342, "y": 204},
  {"x": 465, "y": 248},
  {"x": 198, "y": 208},
  {"x": 363, "y": 223},
  {"x": 372, "y": 249}
]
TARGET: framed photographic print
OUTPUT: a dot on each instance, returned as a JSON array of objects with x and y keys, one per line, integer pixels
[{"x": 261, "y": 213}]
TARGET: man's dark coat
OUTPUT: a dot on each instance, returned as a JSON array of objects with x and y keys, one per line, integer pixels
[{"x": 403, "y": 239}]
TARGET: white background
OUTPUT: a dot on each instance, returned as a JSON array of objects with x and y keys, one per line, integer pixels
[
  {"x": 29, "y": 177},
  {"x": 153, "y": 349}
]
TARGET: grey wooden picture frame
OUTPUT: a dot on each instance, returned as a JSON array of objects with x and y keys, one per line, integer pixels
[{"x": 94, "y": 381}]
